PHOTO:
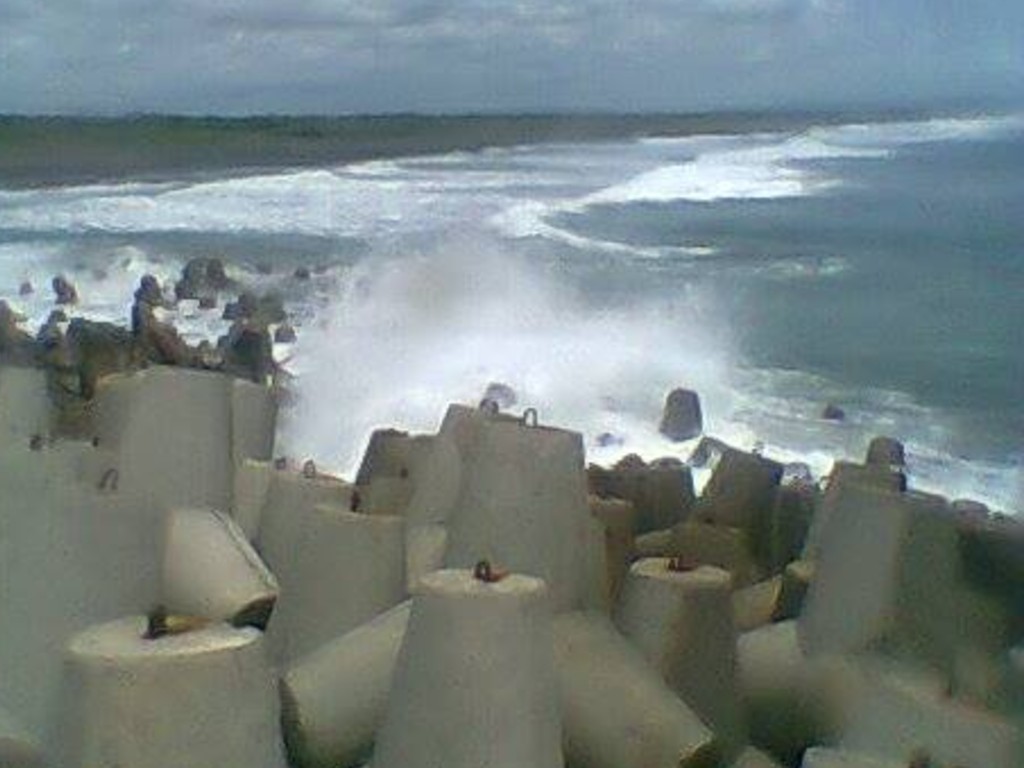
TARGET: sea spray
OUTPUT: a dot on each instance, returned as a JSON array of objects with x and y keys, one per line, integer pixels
[{"x": 409, "y": 334}]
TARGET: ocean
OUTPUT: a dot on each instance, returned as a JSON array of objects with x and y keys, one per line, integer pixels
[{"x": 773, "y": 265}]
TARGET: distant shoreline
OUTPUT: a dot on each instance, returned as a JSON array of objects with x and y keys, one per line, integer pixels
[{"x": 48, "y": 151}]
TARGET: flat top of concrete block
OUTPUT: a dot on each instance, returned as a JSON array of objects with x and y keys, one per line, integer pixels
[
  {"x": 123, "y": 638},
  {"x": 464, "y": 583},
  {"x": 660, "y": 568},
  {"x": 338, "y": 514}
]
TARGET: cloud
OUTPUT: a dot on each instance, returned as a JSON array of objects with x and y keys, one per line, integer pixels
[{"x": 442, "y": 55}]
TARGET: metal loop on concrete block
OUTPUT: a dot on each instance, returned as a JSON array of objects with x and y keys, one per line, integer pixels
[
  {"x": 485, "y": 572},
  {"x": 109, "y": 480}
]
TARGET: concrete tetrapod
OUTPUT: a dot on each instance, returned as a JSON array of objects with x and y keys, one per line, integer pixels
[
  {"x": 251, "y": 486},
  {"x": 17, "y": 749},
  {"x": 617, "y": 518},
  {"x": 790, "y": 702},
  {"x": 682, "y": 622},
  {"x": 616, "y": 711},
  {"x": 886, "y": 569},
  {"x": 334, "y": 699},
  {"x": 173, "y": 435},
  {"x": 286, "y": 517},
  {"x": 352, "y": 568},
  {"x": 899, "y": 712},
  {"x": 163, "y": 703},
  {"x": 211, "y": 570},
  {"x": 475, "y": 682},
  {"x": 522, "y": 502}
]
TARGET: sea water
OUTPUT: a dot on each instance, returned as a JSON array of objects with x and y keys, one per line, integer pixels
[{"x": 877, "y": 266}]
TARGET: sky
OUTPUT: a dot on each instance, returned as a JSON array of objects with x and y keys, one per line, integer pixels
[{"x": 352, "y": 56}]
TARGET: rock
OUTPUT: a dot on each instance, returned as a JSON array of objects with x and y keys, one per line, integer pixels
[
  {"x": 667, "y": 462},
  {"x": 630, "y": 461},
  {"x": 201, "y": 277},
  {"x": 832, "y": 412},
  {"x": 263, "y": 310},
  {"x": 886, "y": 452},
  {"x": 149, "y": 291},
  {"x": 501, "y": 394},
  {"x": 301, "y": 273},
  {"x": 159, "y": 342},
  {"x": 66, "y": 292},
  {"x": 284, "y": 334},
  {"x": 26, "y": 289},
  {"x": 248, "y": 351},
  {"x": 607, "y": 440},
  {"x": 682, "y": 418}
]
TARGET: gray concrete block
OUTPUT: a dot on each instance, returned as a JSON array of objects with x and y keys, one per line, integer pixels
[
  {"x": 884, "y": 576},
  {"x": 475, "y": 682},
  {"x": 202, "y": 698},
  {"x": 335, "y": 698},
  {"x": 211, "y": 570},
  {"x": 682, "y": 622},
  {"x": 616, "y": 711}
]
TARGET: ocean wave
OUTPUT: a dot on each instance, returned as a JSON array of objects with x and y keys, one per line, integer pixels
[{"x": 901, "y": 133}]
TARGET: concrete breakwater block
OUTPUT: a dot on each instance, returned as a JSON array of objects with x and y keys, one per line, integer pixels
[
  {"x": 897, "y": 714},
  {"x": 617, "y": 712},
  {"x": 790, "y": 702},
  {"x": 796, "y": 581},
  {"x": 202, "y": 698},
  {"x": 741, "y": 491},
  {"x": 825, "y": 757},
  {"x": 844, "y": 475},
  {"x": 251, "y": 486},
  {"x": 335, "y": 698},
  {"x": 682, "y": 622},
  {"x": 394, "y": 454},
  {"x": 475, "y": 680},
  {"x": 885, "y": 574},
  {"x": 351, "y": 568},
  {"x": 210, "y": 569},
  {"x": 17, "y": 748},
  {"x": 253, "y": 421},
  {"x": 514, "y": 493},
  {"x": 756, "y": 605},
  {"x": 662, "y": 495},
  {"x": 425, "y": 546},
  {"x": 655, "y": 543},
  {"x": 25, "y": 408},
  {"x": 171, "y": 429},
  {"x": 617, "y": 518},
  {"x": 724, "y": 547},
  {"x": 286, "y": 516}
]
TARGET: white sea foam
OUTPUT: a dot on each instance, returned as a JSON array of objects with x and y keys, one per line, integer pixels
[
  {"x": 410, "y": 335},
  {"x": 410, "y": 327}
]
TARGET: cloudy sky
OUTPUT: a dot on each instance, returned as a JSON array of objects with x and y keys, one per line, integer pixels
[{"x": 329, "y": 56}]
